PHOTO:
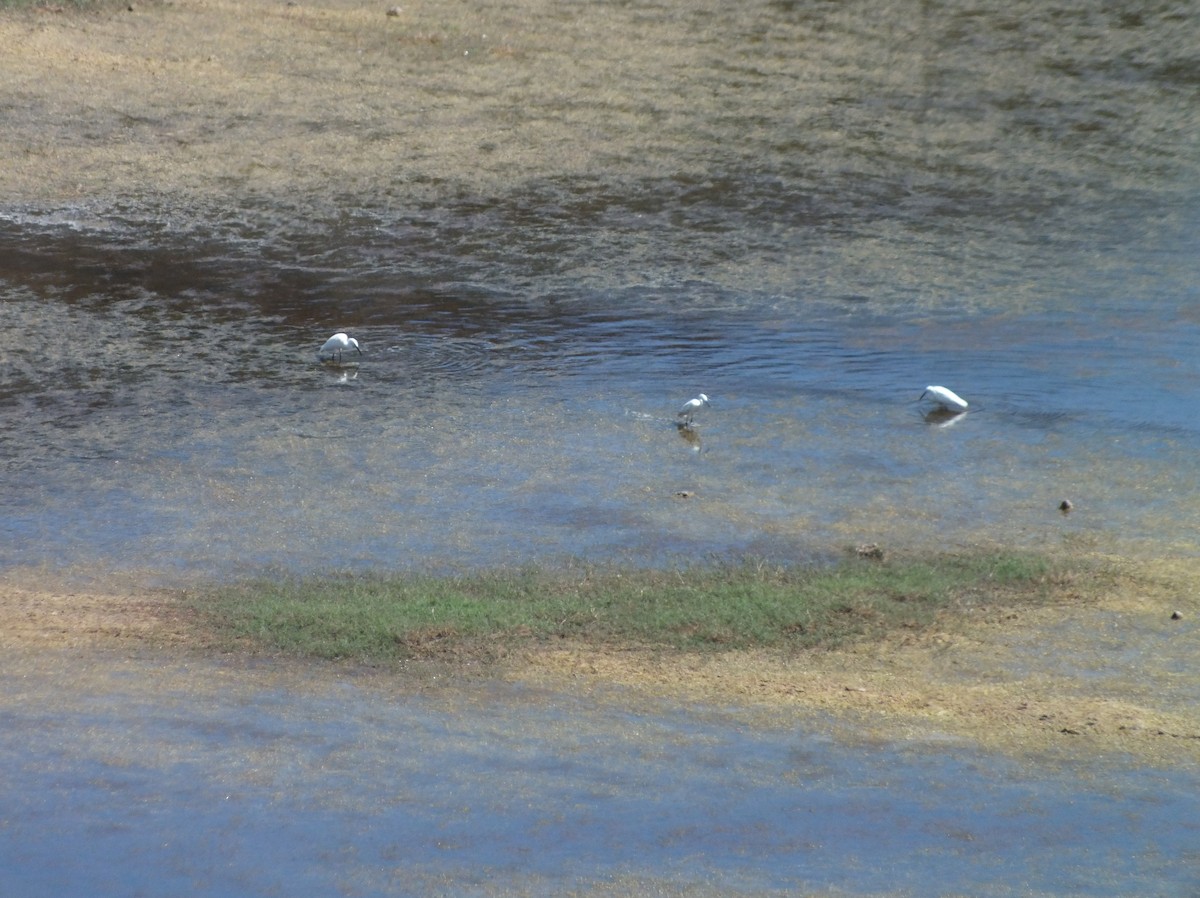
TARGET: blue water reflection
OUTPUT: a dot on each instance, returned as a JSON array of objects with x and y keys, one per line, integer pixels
[{"x": 253, "y": 791}]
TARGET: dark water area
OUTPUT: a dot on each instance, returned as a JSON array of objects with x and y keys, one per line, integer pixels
[{"x": 255, "y": 782}]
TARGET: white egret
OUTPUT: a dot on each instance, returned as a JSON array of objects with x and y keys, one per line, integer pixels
[
  {"x": 947, "y": 399},
  {"x": 335, "y": 346},
  {"x": 691, "y": 407}
]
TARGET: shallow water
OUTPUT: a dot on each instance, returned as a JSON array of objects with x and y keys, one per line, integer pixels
[
  {"x": 839, "y": 206},
  {"x": 178, "y": 429},
  {"x": 153, "y": 778}
]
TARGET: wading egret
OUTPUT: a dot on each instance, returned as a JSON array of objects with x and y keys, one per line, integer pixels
[
  {"x": 947, "y": 399},
  {"x": 691, "y": 407},
  {"x": 335, "y": 346}
]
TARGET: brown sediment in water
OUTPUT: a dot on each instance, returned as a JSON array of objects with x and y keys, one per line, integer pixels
[{"x": 1092, "y": 675}]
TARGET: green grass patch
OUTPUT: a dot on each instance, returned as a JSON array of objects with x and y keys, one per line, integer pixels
[{"x": 375, "y": 617}]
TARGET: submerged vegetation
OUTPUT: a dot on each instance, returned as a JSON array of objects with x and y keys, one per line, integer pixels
[{"x": 482, "y": 616}]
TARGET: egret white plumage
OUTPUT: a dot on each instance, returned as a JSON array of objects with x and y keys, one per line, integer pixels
[
  {"x": 335, "y": 346},
  {"x": 691, "y": 407},
  {"x": 947, "y": 399}
]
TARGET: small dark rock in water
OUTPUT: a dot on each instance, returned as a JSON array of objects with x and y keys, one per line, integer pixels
[
  {"x": 1175, "y": 615},
  {"x": 870, "y": 550},
  {"x": 1065, "y": 506}
]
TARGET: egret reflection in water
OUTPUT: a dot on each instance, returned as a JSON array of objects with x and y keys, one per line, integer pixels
[
  {"x": 942, "y": 417},
  {"x": 690, "y": 435}
]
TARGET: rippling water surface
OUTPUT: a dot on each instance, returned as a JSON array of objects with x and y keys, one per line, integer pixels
[{"x": 844, "y": 203}]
